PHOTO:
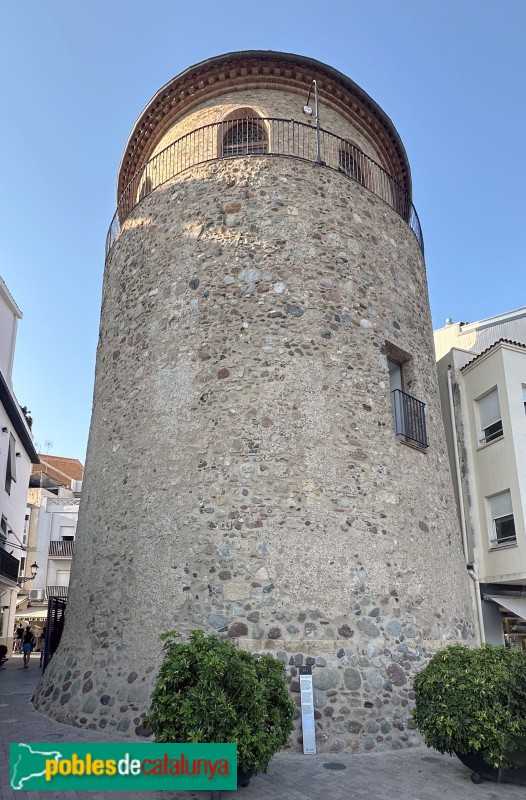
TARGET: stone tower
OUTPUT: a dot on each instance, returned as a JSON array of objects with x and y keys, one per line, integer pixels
[{"x": 260, "y": 462}]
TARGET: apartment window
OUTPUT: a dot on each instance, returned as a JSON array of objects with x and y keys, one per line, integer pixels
[
  {"x": 67, "y": 533},
  {"x": 22, "y": 565},
  {"x": 245, "y": 137},
  {"x": 524, "y": 398},
  {"x": 490, "y": 417},
  {"x": 3, "y": 527},
  {"x": 502, "y": 521},
  {"x": 10, "y": 473},
  {"x": 62, "y": 577}
]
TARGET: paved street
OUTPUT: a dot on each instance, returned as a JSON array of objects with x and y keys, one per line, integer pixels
[{"x": 417, "y": 774}]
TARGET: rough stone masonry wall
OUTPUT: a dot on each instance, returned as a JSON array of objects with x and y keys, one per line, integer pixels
[{"x": 243, "y": 476}]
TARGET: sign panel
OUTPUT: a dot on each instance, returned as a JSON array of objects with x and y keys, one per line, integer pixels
[{"x": 307, "y": 711}]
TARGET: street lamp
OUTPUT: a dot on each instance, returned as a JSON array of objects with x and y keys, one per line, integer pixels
[
  {"x": 308, "y": 111},
  {"x": 34, "y": 570}
]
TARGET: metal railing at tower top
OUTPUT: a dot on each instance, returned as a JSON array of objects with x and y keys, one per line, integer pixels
[{"x": 263, "y": 137}]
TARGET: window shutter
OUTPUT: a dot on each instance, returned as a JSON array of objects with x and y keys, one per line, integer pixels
[
  {"x": 489, "y": 409},
  {"x": 500, "y": 505},
  {"x": 11, "y": 459}
]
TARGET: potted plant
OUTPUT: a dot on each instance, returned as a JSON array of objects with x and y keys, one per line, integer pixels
[
  {"x": 472, "y": 702},
  {"x": 209, "y": 691},
  {"x": 3, "y": 654}
]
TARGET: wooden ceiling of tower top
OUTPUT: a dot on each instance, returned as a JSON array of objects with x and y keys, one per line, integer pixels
[{"x": 263, "y": 70}]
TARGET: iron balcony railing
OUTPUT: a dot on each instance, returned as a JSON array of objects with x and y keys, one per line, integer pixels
[
  {"x": 263, "y": 137},
  {"x": 409, "y": 418},
  {"x": 9, "y": 565},
  {"x": 61, "y": 549},
  {"x": 57, "y": 591}
]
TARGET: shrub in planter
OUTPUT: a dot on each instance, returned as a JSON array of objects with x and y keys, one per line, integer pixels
[
  {"x": 474, "y": 701},
  {"x": 208, "y": 691},
  {"x": 3, "y": 654}
]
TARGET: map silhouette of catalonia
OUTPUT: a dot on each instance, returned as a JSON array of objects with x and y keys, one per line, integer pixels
[{"x": 29, "y": 764}]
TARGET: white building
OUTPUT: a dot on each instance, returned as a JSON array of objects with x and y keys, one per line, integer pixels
[
  {"x": 17, "y": 452},
  {"x": 482, "y": 377},
  {"x": 51, "y": 526}
]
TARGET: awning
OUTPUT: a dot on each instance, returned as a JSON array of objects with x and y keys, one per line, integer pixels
[
  {"x": 40, "y": 613},
  {"x": 517, "y": 605}
]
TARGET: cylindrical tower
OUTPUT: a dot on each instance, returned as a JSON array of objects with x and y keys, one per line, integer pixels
[{"x": 261, "y": 464}]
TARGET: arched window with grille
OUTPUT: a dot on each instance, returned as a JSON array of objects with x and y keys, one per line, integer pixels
[
  {"x": 246, "y": 136},
  {"x": 349, "y": 163}
]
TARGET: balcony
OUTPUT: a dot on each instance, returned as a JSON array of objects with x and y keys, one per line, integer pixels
[
  {"x": 9, "y": 566},
  {"x": 409, "y": 419},
  {"x": 57, "y": 591},
  {"x": 61, "y": 549},
  {"x": 278, "y": 137}
]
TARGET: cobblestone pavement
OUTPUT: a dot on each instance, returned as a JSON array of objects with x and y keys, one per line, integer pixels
[{"x": 413, "y": 774}]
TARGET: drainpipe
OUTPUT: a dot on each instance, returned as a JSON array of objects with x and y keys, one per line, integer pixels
[{"x": 472, "y": 570}]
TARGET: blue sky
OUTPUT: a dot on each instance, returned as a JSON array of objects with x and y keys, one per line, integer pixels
[{"x": 75, "y": 77}]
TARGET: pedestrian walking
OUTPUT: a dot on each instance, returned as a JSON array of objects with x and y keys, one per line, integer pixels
[
  {"x": 42, "y": 646},
  {"x": 28, "y": 643},
  {"x": 19, "y": 632}
]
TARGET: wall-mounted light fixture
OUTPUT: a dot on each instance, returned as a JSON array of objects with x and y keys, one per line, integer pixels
[
  {"x": 4, "y": 430},
  {"x": 34, "y": 570}
]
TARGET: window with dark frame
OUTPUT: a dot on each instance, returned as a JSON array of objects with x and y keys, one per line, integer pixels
[
  {"x": 502, "y": 520},
  {"x": 409, "y": 418},
  {"x": 348, "y": 164},
  {"x": 490, "y": 417},
  {"x": 10, "y": 473},
  {"x": 245, "y": 137}
]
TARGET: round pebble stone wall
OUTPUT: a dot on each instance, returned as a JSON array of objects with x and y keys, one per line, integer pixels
[{"x": 243, "y": 474}]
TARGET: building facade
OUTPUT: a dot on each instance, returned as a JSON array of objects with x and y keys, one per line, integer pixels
[
  {"x": 51, "y": 519},
  {"x": 482, "y": 375},
  {"x": 260, "y": 464},
  {"x": 17, "y": 452}
]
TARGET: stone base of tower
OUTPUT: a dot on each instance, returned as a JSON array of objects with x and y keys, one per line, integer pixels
[{"x": 362, "y": 669}]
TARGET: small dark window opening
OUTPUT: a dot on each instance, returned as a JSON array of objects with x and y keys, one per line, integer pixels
[
  {"x": 348, "y": 163},
  {"x": 10, "y": 473},
  {"x": 245, "y": 137},
  {"x": 505, "y": 529},
  {"x": 492, "y": 432}
]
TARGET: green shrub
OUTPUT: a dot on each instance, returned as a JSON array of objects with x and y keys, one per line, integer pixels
[
  {"x": 474, "y": 700},
  {"x": 208, "y": 691}
]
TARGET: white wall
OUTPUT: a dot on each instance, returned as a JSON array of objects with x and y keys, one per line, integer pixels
[
  {"x": 499, "y": 465},
  {"x": 9, "y": 316},
  {"x": 49, "y": 517},
  {"x": 13, "y": 505}
]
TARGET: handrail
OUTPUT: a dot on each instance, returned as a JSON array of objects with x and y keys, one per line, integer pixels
[
  {"x": 60, "y": 549},
  {"x": 275, "y": 137},
  {"x": 409, "y": 418}
]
